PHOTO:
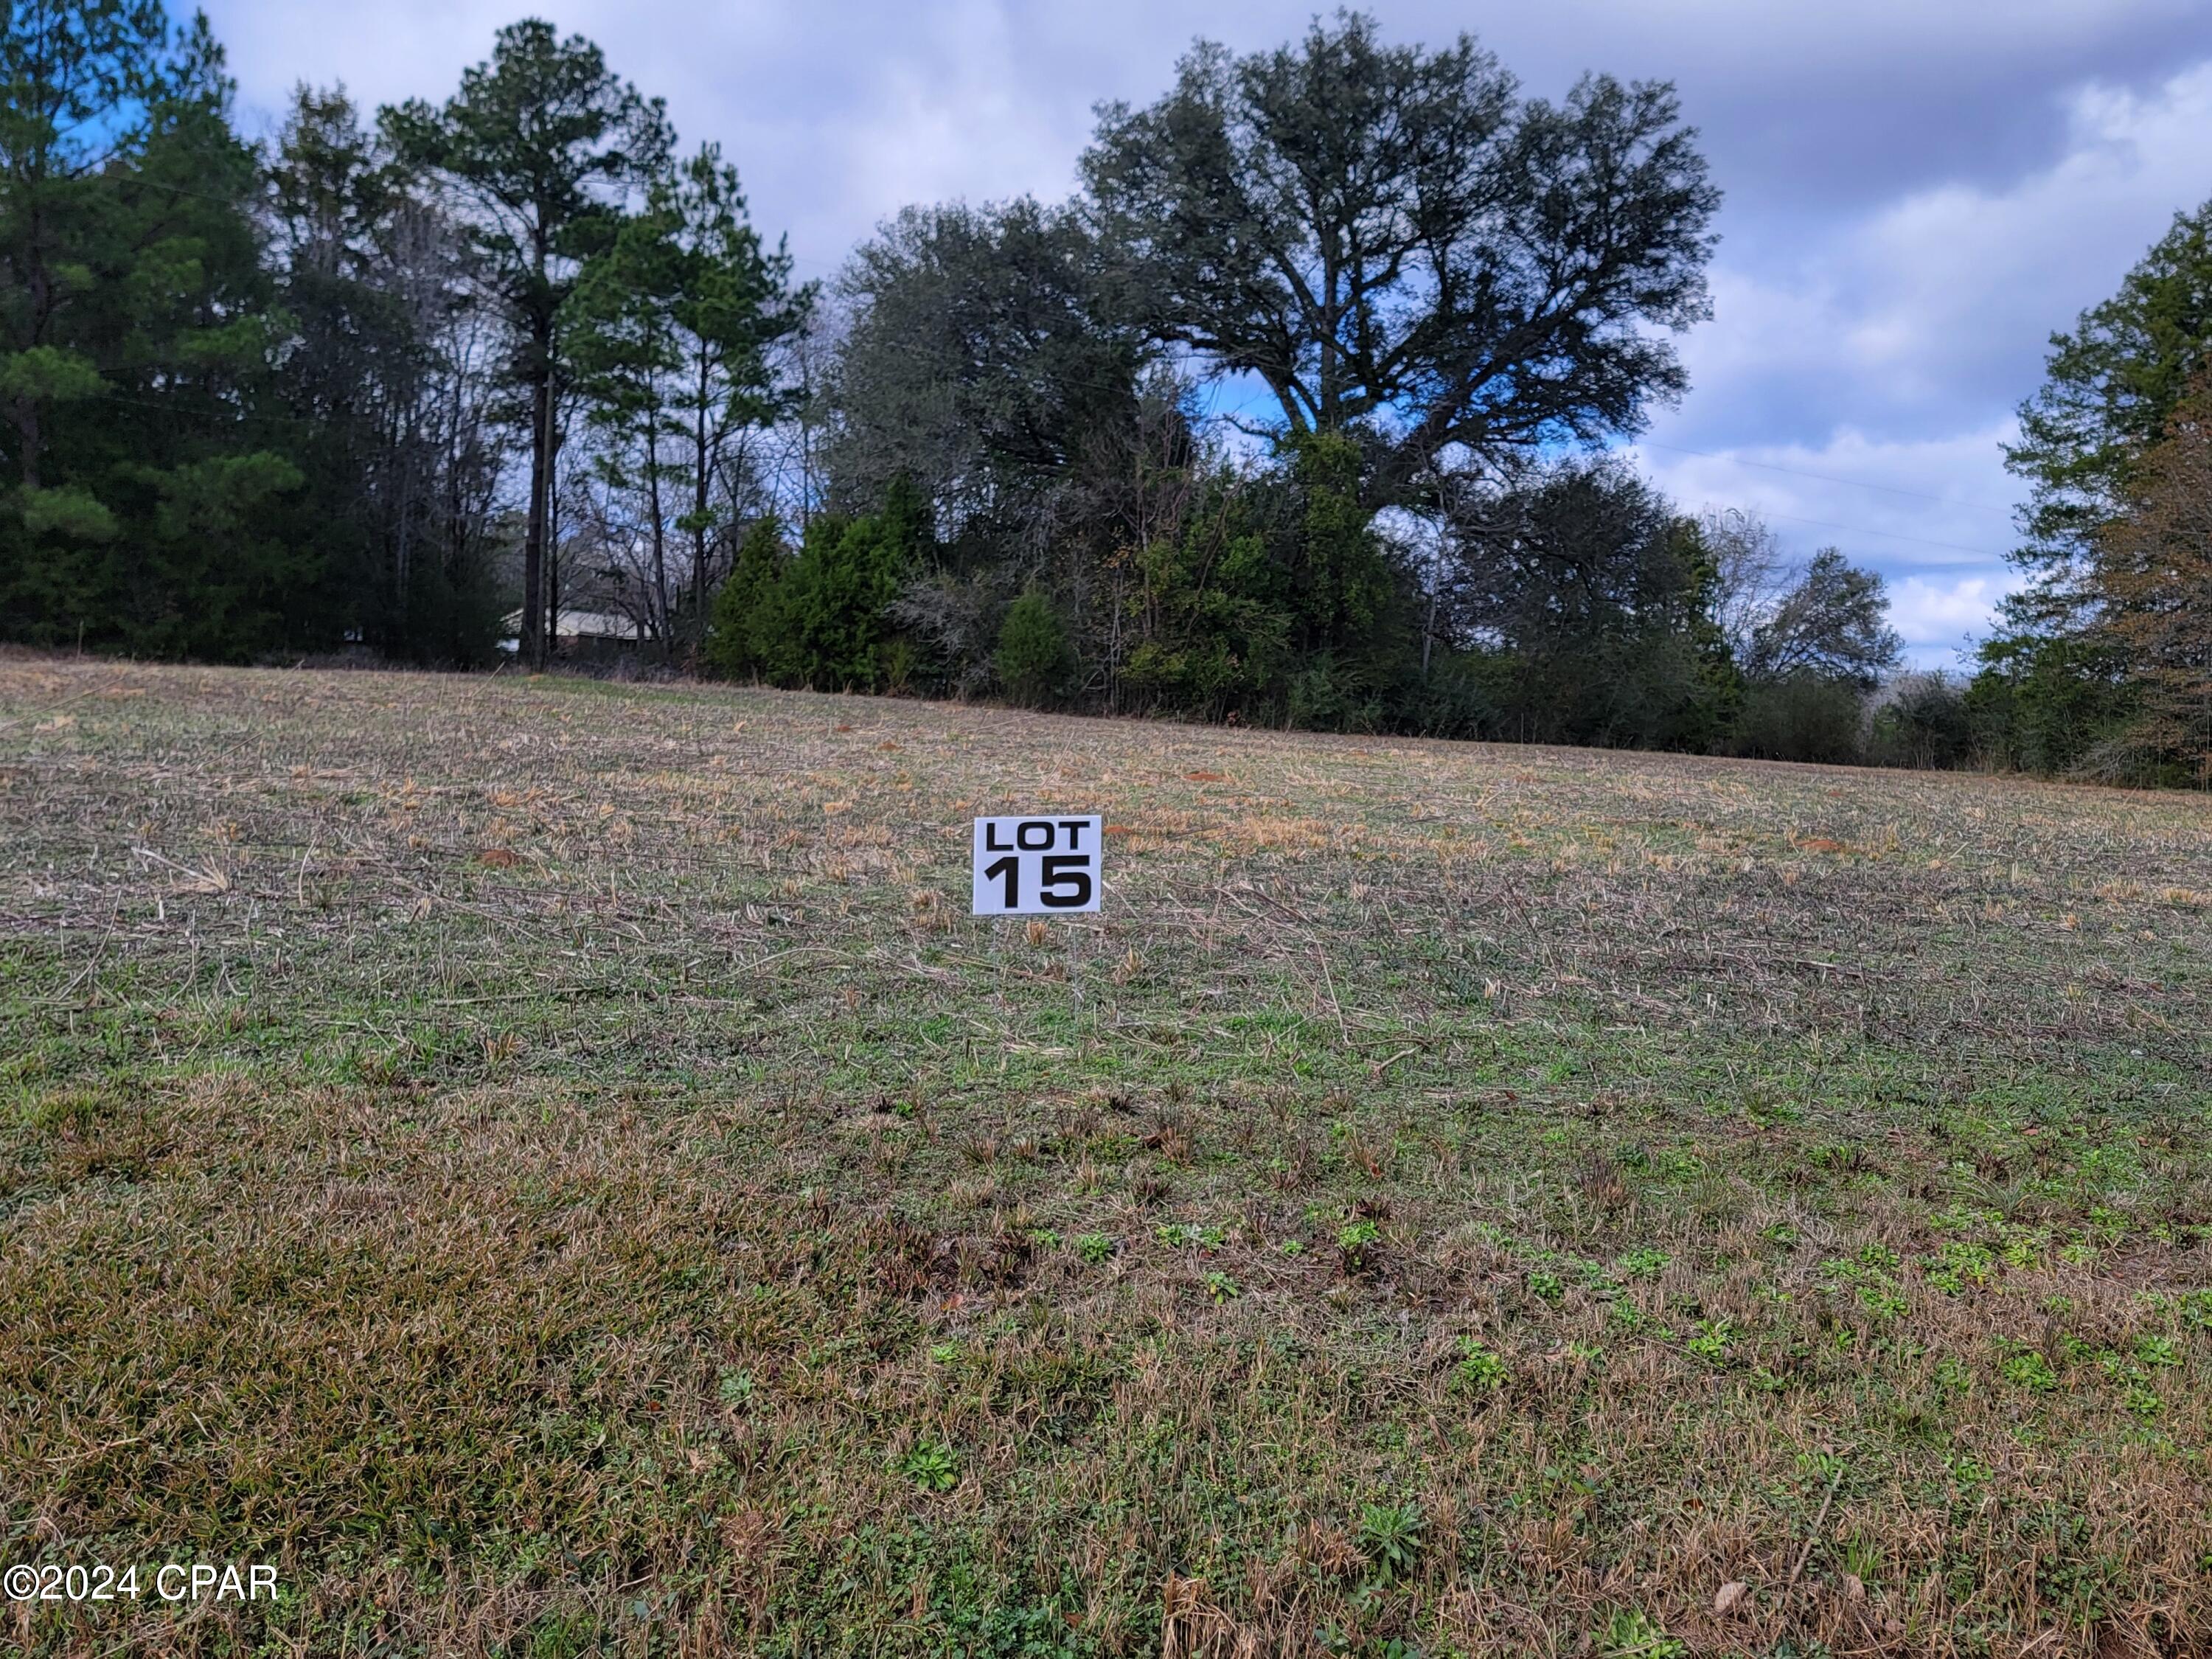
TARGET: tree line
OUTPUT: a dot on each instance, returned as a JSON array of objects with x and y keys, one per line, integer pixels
[
  {"x": 1294, "y": 412},
  {"x": 374, "y": 380}
]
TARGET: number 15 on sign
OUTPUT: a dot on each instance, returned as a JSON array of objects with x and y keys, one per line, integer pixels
[{"x": 1036, "y": 866}]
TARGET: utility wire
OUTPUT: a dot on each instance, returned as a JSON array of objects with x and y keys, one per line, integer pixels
[
  {"x": 1825, "y": 477},
  {"x": 1891, "y": 535}
]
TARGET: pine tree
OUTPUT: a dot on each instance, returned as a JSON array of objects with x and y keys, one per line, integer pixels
[
  {"x": 156, "y": 508},
  {"x": 539, "y": 151}
]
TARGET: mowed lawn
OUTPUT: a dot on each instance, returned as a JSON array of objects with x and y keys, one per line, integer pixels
[{"x": 554, "y": 1168}]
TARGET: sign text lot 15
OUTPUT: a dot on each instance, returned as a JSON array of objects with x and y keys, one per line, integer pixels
[{"x": 1036, "y": 866}]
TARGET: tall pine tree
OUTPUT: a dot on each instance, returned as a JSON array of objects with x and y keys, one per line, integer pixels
[
  {"x": 153, "y": 504},
  {"x": 540, "y": 150}
]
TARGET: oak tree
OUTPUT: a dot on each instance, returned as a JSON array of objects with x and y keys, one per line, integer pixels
[{"x": 1398, "y": 241}]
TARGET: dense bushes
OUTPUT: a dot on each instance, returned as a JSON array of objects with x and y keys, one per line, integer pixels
[
  {"x": 829, "y": 610},
  {"x": 1034, "y": 659},
  {"x": 820, "y": 617},
  {"x": 1577, "y": 606},
  {"x": 1799, "y": 717},
  {"x": 2042, "y": 702},
  {"x": 1920, "y": 721},
  {"x": 745, "y": 630}
]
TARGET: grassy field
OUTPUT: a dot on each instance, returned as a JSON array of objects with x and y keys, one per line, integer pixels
[{"x": 553, "y": 1168}]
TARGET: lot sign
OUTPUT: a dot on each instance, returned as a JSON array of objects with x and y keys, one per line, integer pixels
[{"x": 1036, "y": 866}]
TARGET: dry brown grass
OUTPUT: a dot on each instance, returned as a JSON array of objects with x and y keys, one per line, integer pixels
[{"x": 554, "y": 1168}]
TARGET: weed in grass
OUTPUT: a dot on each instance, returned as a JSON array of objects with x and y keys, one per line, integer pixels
[
  {"x": 1862, "y": 1558},
  {"x": 1391, "y": 1538},
  {"x": 2156, "y": 1350},
  {"x": 931, "y": 1467},
  {"x": 1356, "y": 1241},
  {"x": 2143, "y": 1402},
  {"x": 1820, "y": 1466},
  {"x": 1630, "y": 1633},
  {"x": 1881, "y": 1299},
  {"x": 1187, "y": 1235},
  {"x": 1478, "y": 1368},
  {"x": 2025, "y": 1368},
  {"x": 1709, "y": 1338}
]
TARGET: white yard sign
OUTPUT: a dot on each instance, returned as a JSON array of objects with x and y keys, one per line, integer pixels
[{"x": 1036, "y": 866}]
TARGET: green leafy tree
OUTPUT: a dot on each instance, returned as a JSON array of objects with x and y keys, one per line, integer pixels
[
  {"x": 1831, "y": 624},
  {"x": 1212, "y": 634},
  {"x": 2152, "y": 579},
  {"x": 2054, "y": 684},
  {"x": 1590, "y": 602},
  {"x": 734, "y": 306},
  {"x": 2041, "y": 700},
  {"x": 1818, "y": 648},
  {"x": 1337, "y": 587},
  {"x": 1921, "y": 720},
  {"x": 1341, "y": 584},
  {"x": 539, "y": 151},
  {"x": 82, "y": 81},
  {"x": 981, "y": 364},
  {"x": 383, "y": 372},
  {"x": 1704, "y": 681},
  {"x": 1395, "y": 239},
  {"x": 622, "y": 342},
  {"x": 835, "y": 628},
  {"x": 1801, "y": 717},
  {"x": 837, "y": 603}
]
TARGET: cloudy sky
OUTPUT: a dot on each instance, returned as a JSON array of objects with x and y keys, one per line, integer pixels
[{"x": 1918, "y": 193}]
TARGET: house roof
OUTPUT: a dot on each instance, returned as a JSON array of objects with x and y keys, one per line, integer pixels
[{"x": 583, "y": 625}]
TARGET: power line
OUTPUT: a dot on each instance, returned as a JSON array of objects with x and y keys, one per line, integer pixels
[
  {"x": 1891, "y": 535},
  {"x": 1824, "y": 477}
]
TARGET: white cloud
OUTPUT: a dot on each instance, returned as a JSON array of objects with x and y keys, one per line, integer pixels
[
  {"x": 1937, "y": 618},
  {"x": 1886, "y": 353},
  {"x": 1929, "y": 502},
  {"x": 1934, "y": 308},
  {"x": 1957, "y": 273}
]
